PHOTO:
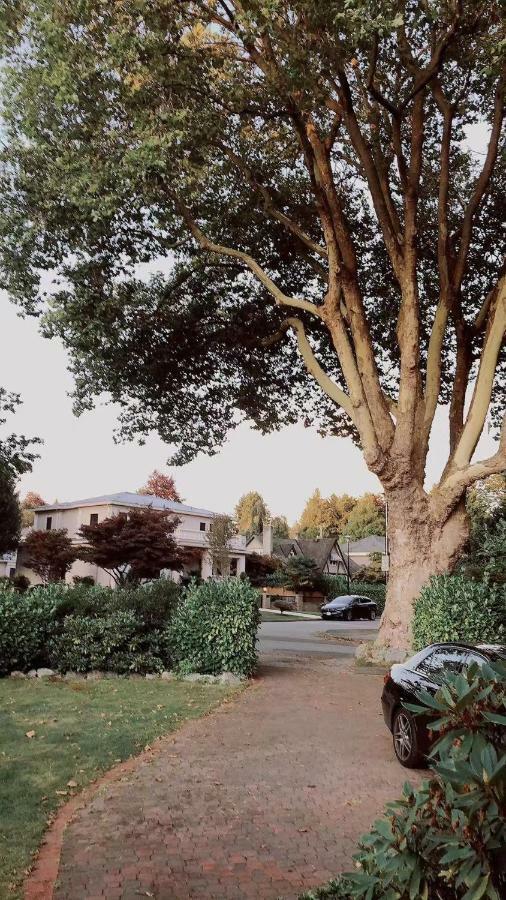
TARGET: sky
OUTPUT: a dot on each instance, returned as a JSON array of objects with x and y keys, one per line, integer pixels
[{"x": 80, "y": 459}]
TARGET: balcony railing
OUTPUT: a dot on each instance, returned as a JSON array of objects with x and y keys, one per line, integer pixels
[{"x": 191, "y": 538}]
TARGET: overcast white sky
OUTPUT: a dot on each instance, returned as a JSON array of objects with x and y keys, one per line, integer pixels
[{"x": 79, "y": 458}]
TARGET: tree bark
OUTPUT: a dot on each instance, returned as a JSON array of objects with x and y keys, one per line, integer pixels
[{"x": 421, "y": 544}]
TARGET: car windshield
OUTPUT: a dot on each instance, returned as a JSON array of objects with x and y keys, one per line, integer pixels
[{"x": 339, "y": 601}]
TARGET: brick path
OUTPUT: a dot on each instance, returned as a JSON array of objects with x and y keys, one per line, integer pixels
[{"x": 262, "y": 799}]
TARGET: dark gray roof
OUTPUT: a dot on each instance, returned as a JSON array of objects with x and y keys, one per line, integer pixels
[
  {"x": 318, "y": 549},
  {"x": 374, "y": 543},
  {"x": 127, "y": 498}
]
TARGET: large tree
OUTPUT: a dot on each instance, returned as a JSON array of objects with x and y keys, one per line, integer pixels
[{"x": 307, "y": 168}]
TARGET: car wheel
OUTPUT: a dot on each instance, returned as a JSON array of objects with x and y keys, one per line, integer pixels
[
  {"x": 372, "y": 615},
  {"x": 405, "y": 740},
  {"x": 347, "y": 616}
]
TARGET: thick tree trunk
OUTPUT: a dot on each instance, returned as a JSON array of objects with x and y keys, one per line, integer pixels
[{"x": 420, "y": 546}]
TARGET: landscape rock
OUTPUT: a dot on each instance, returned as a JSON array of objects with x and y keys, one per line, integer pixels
[
  {"x": 32, "y": 674},
  {"x": 201, "y": 679},
  {"x": 45, "y": 673},
  {"x": 167, "y": 676},
  {"x": 73, "y": 676},
  {"x": 229, "y": 678},
  {"x": 151, "y": 676},
  {"x": 17, "y": 674},
  {"x": 95, "y": 676}
]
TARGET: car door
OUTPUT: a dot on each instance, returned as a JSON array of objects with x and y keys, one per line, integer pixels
[{"x": 356, "y": 608}]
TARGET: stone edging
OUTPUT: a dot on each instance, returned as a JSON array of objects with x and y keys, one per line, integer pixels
[{"x": 41, "y": 880}]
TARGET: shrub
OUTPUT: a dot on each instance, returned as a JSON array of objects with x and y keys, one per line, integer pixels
[
  {"x": 21, "y": 583},
  {"x": 153, "y": 604},
  {"x": 452, "y": 607},
  {"x": 447, "y": 839},
  {"x": 285, "y": 604},
  {"x": 26, "y": 622},
  {"x": 87, "y": 580},
  {"x": 334, "y": 585},
  {"x": 111, "y": 643},
  {"x": 214, "y": 628}
]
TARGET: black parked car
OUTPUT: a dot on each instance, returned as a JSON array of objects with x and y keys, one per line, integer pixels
[
  {"x": 424, "y": 671},
  {"x": 350, "y": 607}
]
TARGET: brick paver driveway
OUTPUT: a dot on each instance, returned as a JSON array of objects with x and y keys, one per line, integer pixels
[{"x": 262, "y": 799}]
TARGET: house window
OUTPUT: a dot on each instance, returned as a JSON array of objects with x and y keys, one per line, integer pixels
[
  {"x": 94, "y": 519},
  {"x": 202, "y": 526},
  {"x": 12, "y": 573},
  {"x": 49, "y": 523},
  {"x": 233, "y": 567}
]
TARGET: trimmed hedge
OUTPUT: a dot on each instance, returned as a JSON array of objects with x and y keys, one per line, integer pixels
[
  {"x": 26, "y": 624},
  {"x": 214, "y": 629},
  {"x": 81, "y": 628},
  {"x": 334, "y": 585},
  {"x": 452, "y": 607}
]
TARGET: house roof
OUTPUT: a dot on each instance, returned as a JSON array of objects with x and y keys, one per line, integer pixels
[
  {"x": 318, "y": 549},
  {"x": 374, "y": 543},
  {"x": 127, "y": 498}
]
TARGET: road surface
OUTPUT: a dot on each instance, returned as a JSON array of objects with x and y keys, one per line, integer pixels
[{"x": 306, "y": 638}]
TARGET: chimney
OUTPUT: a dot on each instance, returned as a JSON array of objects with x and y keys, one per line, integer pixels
[{"x": 267, "y": 538}]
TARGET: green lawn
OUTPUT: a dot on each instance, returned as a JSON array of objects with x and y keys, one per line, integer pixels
[{"x": 81, "y": 729}]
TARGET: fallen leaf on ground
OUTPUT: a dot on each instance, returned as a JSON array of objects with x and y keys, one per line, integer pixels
[
  {"x": 30, "y": 734},
  {"x": 61, "y": 793},
  {"x": 71, "y": 783}
]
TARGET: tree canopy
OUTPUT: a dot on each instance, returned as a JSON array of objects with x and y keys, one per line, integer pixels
[
  {"x": 10, "y": 514},
  {"x": 161, "y": 485},
  {"x": 132, "y": 546},
  {"x": 294, "y": 157},
  {"x": 50, "y": 554},
  {"x": 251, "y": 513},
  {"x": 16, "y": 457},
  {"x": 342, "y": 515}
]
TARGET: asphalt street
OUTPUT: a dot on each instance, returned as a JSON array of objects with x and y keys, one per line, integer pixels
[{"x": 308, "y": 638}]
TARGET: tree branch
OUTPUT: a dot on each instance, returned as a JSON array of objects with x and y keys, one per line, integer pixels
[
  {"x": 481, "y": 186},
  {"x": 313, "y": 366},
  {"x": 484, "y": 382},
  {"x": 206, "y": 244}
]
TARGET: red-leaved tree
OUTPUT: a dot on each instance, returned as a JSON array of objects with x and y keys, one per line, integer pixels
[
  {"x": 49, "y": 554},
  {"x": 160, "y": 485},
  {"x": 132, "y": 546}
]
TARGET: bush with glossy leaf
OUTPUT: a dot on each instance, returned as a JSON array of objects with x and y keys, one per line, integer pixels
[
  {"x": 214, "y": 629},
  {"x": 455, "y": 608},
  {"x": 447, "y": 839}
]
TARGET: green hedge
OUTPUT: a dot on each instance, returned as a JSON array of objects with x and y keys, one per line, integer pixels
[
  {"x": 82, "y": 628},
  {"x": 214, "y": 629},
  {"x": 26, "y": 623},
  {"x": 112, "y": 643},
  {"x": 452, "y": 607},
  {"x": 334, "y": 585}
]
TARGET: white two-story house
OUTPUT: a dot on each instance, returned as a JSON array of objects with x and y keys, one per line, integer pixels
[{"x": 190, "y": 534}]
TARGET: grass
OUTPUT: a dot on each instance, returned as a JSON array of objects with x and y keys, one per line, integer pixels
[
  {"x": 284, "y": 617},
  {"x": 82, "y": 728}
]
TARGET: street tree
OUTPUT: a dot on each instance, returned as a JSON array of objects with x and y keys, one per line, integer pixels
[
  {"x": 132, "y": 546},
  {"x": 160, "y": 485},
  {"x": 307, "y": 169},
  {"x": 10, "y": 513},
  {"x": 50, "y": 554},
  {"x": 280, "y": 527}
]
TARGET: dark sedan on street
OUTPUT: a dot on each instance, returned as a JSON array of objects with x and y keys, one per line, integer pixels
[
  {"x": 424, "y": 671},
  {"x": 349, "y": 607}
]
